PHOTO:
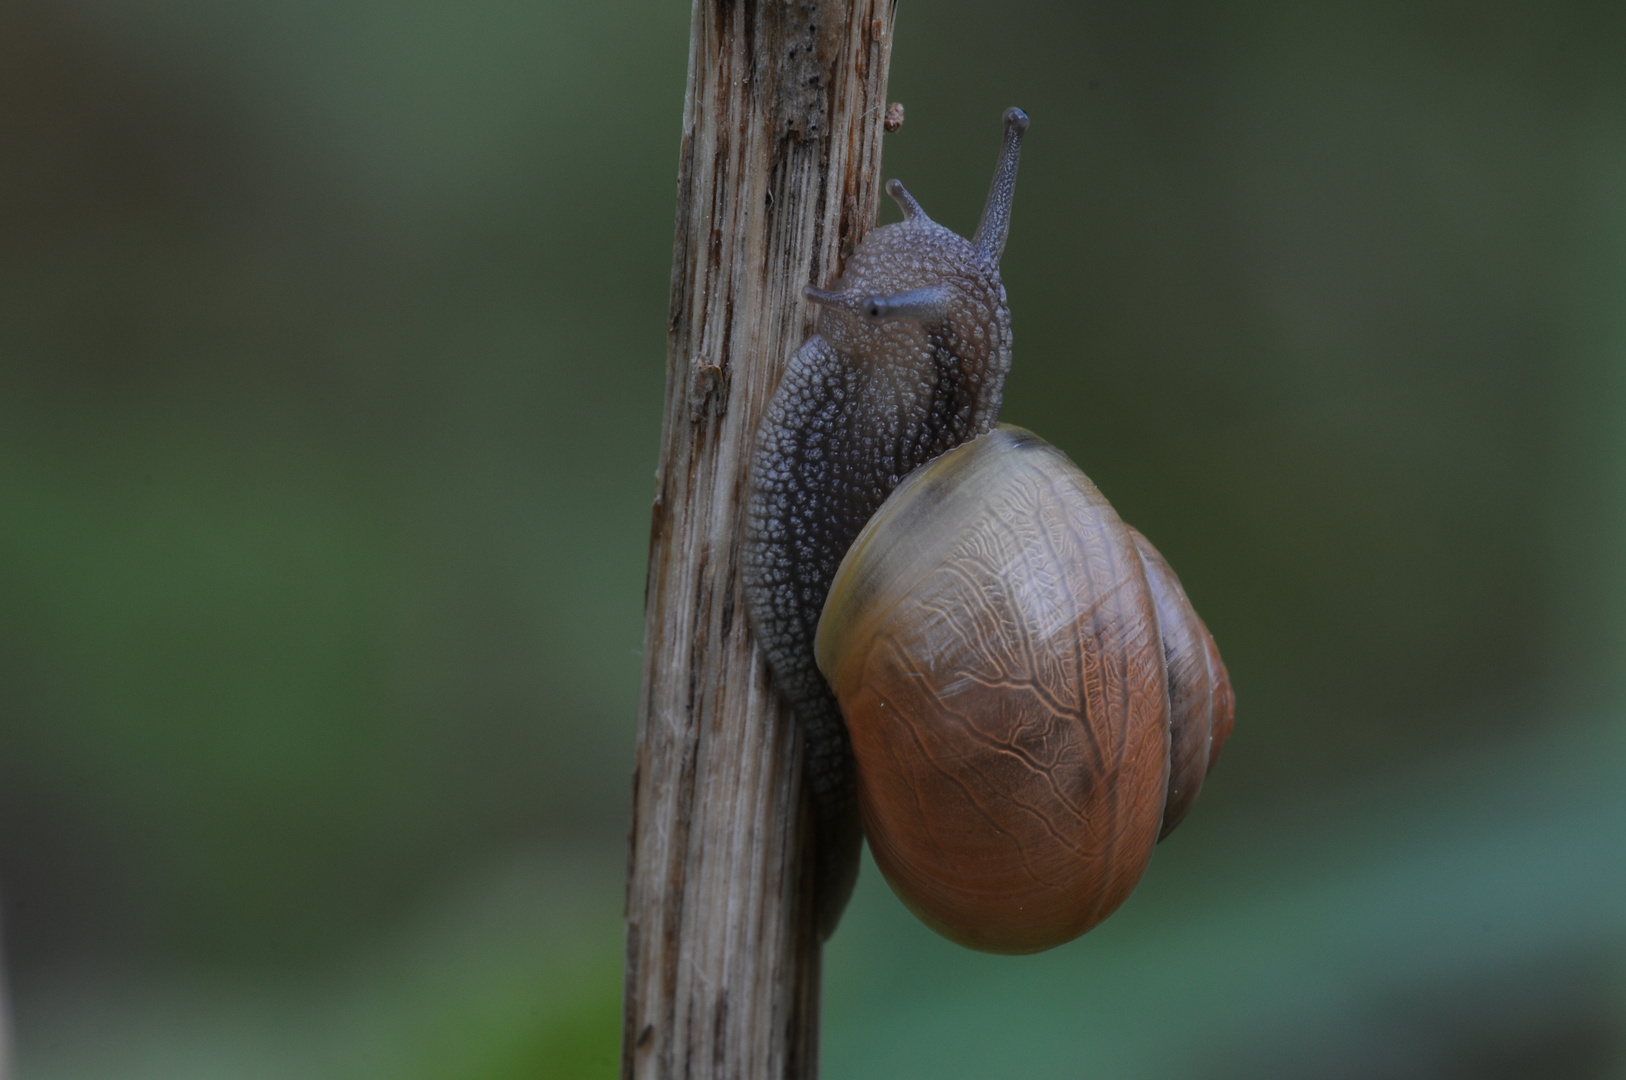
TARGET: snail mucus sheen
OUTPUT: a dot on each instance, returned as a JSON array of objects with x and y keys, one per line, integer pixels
[{"x": 996, "y": 680}]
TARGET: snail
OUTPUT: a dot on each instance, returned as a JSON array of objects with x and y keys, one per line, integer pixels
[{"x": 997, "y": 680}]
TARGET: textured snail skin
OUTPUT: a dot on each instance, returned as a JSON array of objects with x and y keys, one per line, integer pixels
[
  {"x": 909, "y": 360},
  {"x": 993, "y": 640}
]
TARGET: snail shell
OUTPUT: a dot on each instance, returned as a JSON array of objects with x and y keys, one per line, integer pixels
[{"x": 997, "y": 639}]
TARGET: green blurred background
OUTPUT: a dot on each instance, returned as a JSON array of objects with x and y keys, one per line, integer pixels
[{"x": 331, "y": 360}]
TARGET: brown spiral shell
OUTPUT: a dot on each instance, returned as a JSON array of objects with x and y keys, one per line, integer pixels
[{"x": 1006, "y": 651}]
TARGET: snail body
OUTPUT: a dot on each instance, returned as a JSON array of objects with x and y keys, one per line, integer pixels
[
  {"x": 1008, "y": 691},
  {"x": 909, "y": 360}
]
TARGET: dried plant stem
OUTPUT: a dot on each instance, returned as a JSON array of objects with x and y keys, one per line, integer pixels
[{"x": 778, "y": 180}]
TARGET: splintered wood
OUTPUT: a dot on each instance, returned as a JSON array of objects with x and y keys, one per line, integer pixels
[{"x": 778, "y": 180}]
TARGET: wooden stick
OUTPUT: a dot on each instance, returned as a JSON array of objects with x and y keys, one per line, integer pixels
[{"x": 778, "y": 181}]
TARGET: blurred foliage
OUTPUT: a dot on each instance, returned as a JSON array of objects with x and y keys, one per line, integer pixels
[
  {"x": 331, "y": 358},
  {"x": 322, "y": 579},
  {"x": 513, "y": 973}
]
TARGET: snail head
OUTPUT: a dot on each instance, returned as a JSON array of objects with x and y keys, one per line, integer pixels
[{"x": 916, "y": 286}]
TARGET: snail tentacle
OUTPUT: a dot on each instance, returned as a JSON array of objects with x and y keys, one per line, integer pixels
[{"x": 995, "y": 226}]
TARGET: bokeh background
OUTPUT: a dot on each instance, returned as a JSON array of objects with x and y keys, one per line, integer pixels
[{"x": 331, "y": 359}]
